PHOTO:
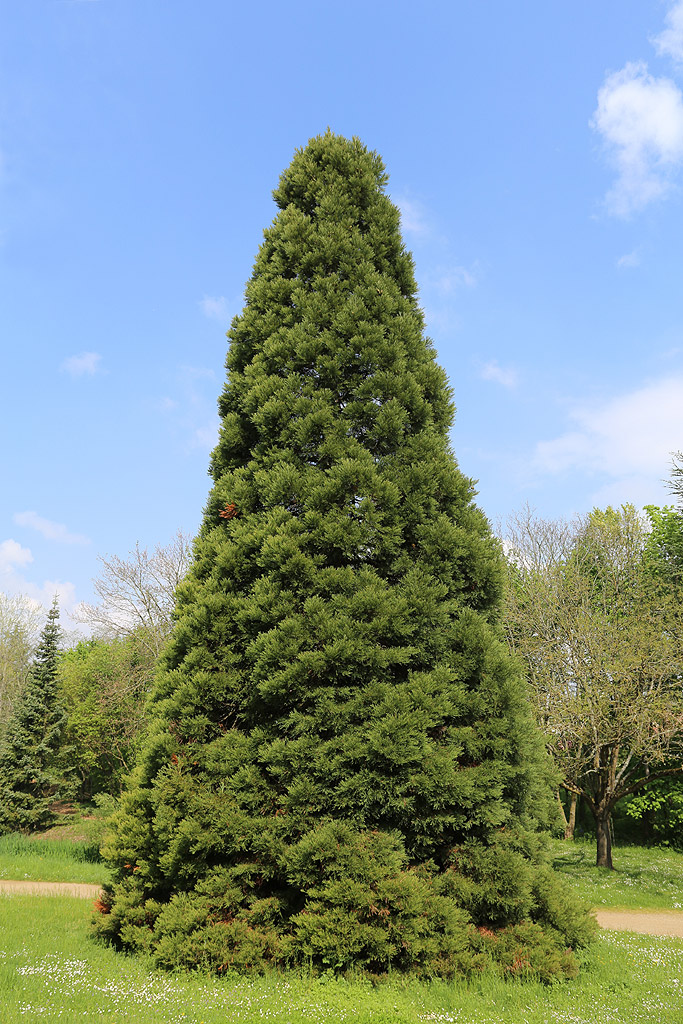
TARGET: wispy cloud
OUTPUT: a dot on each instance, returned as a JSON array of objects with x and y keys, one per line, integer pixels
[
  {"x": 670, "y": 42},
  {"x": 84, "y": 365},
  {"x": 215, "y": 308},
  {"x": 640, "y": 121},
  {"x": 447, "y": 280},
  {"x": 629, "y": 260},
  {"x": 197, "y": 372},
  {"x": 629, "y": 435},
  {"x": 507, "y": 376},
  {"x": 12, "y": 555},
  {"x": 13, "y": 560},
  {"x": 191, "y": 413},
  {"x": 49, "y": 529},
  {"x": 413, "y": 216}
]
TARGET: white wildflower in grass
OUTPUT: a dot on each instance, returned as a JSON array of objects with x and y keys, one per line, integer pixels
[{"x": 51, "y": 971}]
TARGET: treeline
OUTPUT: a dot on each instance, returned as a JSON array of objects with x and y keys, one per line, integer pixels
[
  {"x": 72, "y": 712},
  {"x": 593, "y": 610}
]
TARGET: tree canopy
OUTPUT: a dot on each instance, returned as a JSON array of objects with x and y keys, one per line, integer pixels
[
  {"x": 342, "y": 769},
  {"x": 594, "y": 611}
]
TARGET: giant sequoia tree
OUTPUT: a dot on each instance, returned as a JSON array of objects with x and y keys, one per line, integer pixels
[{"x": 342, "y": 768}]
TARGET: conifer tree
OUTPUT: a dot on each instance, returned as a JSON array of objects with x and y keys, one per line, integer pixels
[
  {"x": 342, "y": 768},
  {"x": 31, "y": 741}
]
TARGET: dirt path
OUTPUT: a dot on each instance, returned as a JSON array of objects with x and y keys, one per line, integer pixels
[
  {"x": 82, "y": 889},
  {"x": 647, "y": 922}
]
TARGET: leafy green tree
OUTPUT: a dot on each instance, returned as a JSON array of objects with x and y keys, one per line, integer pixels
[
  {"x": 664, "y": 545},
  {"x": 29, "y": 747},
  {"x": 342, "y": 768},
  {"x": 103, "y": 686},
  {"x": 600, "y": 629}
]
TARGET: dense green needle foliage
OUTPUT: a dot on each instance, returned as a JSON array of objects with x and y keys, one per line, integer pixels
[
  {"x": 28, "y": 779},
  {"x": 342, "y": 769}
]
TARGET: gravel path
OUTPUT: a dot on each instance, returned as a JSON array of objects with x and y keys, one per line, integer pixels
[
  {"x": 647, "y": 922},
  {"x": 82, "y": 889}
]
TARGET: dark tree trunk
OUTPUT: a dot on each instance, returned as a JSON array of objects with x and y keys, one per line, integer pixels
[
  {"x": 602, "y": 831},
  {"x": 570, "y": 823}
]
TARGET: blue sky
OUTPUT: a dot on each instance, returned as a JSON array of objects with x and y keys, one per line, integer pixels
[{"x": 535, "y": 150}]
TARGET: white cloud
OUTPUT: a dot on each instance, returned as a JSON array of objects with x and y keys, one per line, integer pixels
[
  {"x": 629, "y": 260},
  {"x": 85, "y": 364},
  {"x": 214, "y": 308},
  {"x": 45, "y": 593},
  {"x": 192, "y": 413},
  {"x": 197, "y": 372},
  {"x": 628, "y": 436},
  {"x": 206, "y": 436},
  {"x": 640, "y": 120},
  {"x": 166, "y": 404},
  {"x": 13, "y": 558},
  {"x": 413, "y": 216},
  {"x": 670, "y": 41},
  {"x": 508, "y": 377},
  {"x": 12, "y": 555},
  {"x": 450, "y": 279},
  {"x": 49, "y": 530}
]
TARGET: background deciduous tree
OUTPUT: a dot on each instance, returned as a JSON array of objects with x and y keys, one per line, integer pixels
[
  {"x": 19, "y": 628},
  {"x": 103, "y": 686},
  {"x": 676, "y": 480},
  {"x": 598, "y": 627},
  {"x": 137, "y": 594}
]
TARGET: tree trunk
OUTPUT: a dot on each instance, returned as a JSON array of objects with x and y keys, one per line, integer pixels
[
  {"x": 570, "y": 823},
  {"x": 602, "y": 831}
]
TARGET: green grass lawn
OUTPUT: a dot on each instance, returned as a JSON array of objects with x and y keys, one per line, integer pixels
[
  {"x": 643, "y": 878},
  {"x": 50, "y": 860},
  {"x": 51, "y": 969}
]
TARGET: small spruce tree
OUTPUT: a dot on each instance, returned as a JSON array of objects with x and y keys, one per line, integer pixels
[
  {"x": 29, "y": 747},
  {"x": 342, "y": 768}
]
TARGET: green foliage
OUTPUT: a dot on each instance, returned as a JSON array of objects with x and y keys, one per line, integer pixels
[
  {"x": 335, "y": 711},
  {"x": 664, "y": 546},
  {"x": 103, "y": 686},
  {"x": 659, "y": 810},
  {"x": 28, "y": 780},
  {"x": 595, "y": 611}
]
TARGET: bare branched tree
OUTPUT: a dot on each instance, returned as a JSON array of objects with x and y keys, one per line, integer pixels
[
  {"x": 20, "y": 620},
  {"x": 137, "y": 594},
  {"x": 676, "y": 481}
]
